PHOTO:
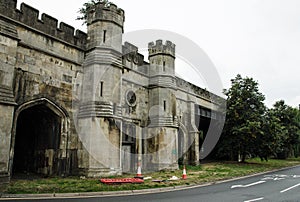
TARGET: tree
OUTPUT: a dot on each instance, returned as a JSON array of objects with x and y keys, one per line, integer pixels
[
  {"x": 297, "y": 146},
  {"x": 83, "y": 10},
  {"x": 269, "y": 144},
  {"x": 288, "y": 118},
  {"x": 244, "y": 118}
]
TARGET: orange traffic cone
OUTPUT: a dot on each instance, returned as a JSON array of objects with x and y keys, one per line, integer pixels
[
  {"x": 139, "y": 172},
  {"x": 184, "y": 173}
]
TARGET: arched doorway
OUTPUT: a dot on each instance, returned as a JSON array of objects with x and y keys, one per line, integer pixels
[{"x": 39, "y": 129}]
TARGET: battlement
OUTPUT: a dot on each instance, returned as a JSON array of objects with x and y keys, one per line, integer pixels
[
  {"x": 47, "y": 24},
  {"x": 105, "y": 12},
  {"x": 129, "y": 48},
  {"x": 159, "y": 48},
  {"x": 130, "y": 53}
]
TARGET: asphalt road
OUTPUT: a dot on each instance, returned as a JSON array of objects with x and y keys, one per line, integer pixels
[{"x": 277, "y": 186}]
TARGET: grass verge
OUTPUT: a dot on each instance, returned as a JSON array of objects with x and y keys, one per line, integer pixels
[{"x": 204, "y": 173}]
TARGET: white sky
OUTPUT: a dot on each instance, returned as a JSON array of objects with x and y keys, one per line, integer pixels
[{"x": 255, "y": 38}]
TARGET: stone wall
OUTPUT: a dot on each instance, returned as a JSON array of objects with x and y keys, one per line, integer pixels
[
  {"x": 39, "y": 60},
  {"x": 109, "y": 87}
]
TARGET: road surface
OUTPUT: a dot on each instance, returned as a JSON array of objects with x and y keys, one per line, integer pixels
[{"x": 278, "y": 186}]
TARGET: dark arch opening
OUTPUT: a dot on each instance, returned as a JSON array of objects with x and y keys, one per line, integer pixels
[
  {"x": 203, "y": 120},
  {"x": 37, "y": 141},
  {"x": 180, "y": 147}
]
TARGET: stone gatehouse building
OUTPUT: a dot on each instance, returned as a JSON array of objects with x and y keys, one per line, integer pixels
[{"x": 86, "y": 103}]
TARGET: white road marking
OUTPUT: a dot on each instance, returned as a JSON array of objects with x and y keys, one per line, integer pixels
[
  {"x": 247, "y": 185},
  {"x": 296, "y": 176},
  {"x": 281, "y": 175},
  {"x": 267, "y": 178},
  {"x": 256, "y": 199},
  {"x": 271, "y": 178},
  {"x": 275, "y": 177},
  {"x": 292, "y": 187}
]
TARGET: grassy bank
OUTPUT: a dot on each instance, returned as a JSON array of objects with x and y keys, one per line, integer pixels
[{"x": 195, "y": 175}]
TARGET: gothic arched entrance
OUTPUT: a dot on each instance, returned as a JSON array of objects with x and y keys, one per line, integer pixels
[{"x": 40, "y": 129}]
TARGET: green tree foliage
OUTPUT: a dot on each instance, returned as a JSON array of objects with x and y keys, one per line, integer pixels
[
  {"x": 288, "y": 139},
  {"x": 269, "y": 144},
  {"x": 244, "y": 119},
  {"x": 297, "y": 146},
  {"x": 83, "y": 10},
  {"x": 252, "y": 129}
]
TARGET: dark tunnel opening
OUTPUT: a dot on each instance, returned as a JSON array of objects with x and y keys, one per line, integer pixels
[
  {"x": 203, "y": 119},
  {"x": 37, "y": 141}
]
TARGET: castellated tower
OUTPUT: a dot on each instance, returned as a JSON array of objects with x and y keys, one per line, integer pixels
[
  {"x": 162, "y": 105},
  {"x": 99, "y": 115},
  {"x": 84, "y": 104}
]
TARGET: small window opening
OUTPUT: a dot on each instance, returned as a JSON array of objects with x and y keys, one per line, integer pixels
[
  {"x": 165, "y": 105},
  {"x": 101, "y": 89},
  {"x": 164, "y": 66},
  {"x": 104, "y": 36}
]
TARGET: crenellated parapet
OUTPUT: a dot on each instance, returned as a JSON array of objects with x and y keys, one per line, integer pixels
[
  {"x": 105, "y": 12},
  {"x": 129, "y": 48},
  {"x": 159, "y": 48},
  {"x": 29, "y": 16},
  {"x": 131, "y": 54}
]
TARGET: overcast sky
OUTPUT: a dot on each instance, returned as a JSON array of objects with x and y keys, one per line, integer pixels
[{"x": 254, "y": 38}]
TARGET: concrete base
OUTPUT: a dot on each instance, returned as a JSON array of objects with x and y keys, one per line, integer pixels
[{"x": 100, "y": 172}]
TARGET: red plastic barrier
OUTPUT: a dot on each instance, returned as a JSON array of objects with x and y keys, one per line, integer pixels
[{"x": 121, "y": 180}]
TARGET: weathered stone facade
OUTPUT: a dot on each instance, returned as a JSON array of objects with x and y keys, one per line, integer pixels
[{"x": 86, "y": 104}]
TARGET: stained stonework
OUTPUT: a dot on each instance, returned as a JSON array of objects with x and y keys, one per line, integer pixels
[{"x": 87, "y": 104}]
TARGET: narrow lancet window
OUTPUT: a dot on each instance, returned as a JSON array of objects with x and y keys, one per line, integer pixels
[
  {"x": 101, "y": 89},
  {"x": 104, "y": 36}
]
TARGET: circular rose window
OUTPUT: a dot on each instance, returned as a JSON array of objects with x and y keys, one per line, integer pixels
[{"x": 131, "y": 98}]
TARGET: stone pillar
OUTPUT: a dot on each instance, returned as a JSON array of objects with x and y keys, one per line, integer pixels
[
  {"x": 194, "y": 155},
  {"x": 8, "y": 52}
]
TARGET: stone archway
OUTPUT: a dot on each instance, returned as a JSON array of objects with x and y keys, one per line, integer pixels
[{"x": 39, "y": 139}]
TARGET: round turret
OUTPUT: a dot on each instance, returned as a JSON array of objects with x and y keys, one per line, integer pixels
[
  {"x": 105, "y": 26},
  {"x": 105, "y": 12},
  {"x": 159, "y": 48},
  {"x": 162, "y": 63},
  {"x": 162, "y": 84}
]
